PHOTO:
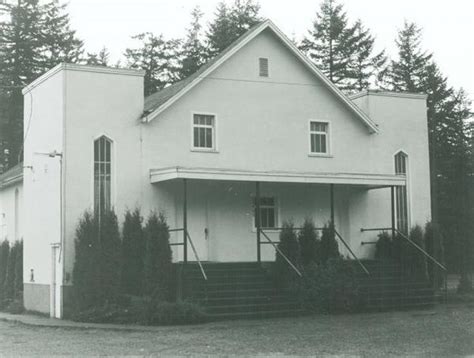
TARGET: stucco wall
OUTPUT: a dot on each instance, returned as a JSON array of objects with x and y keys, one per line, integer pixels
[
  {"x": 11, "y": 212},
  {"x": 43, "y": 123}
]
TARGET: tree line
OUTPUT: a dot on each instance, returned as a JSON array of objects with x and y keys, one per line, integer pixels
[{"x": 36, "y": 36}]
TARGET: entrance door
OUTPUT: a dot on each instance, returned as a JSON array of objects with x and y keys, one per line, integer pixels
[{"x": 198, "y": 227}]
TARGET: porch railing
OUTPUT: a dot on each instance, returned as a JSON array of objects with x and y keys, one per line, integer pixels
[
  {"x": 418, "y": 248},
  {"x": 186, "y": 239},
  {"x": 292, "y": 265},
  {"x": 288, "y": 261}
]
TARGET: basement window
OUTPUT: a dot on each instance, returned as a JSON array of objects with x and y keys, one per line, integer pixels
[{"x": 263, "y": 66}]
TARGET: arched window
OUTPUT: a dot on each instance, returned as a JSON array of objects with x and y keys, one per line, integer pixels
[
  {"x": 102, "y": 174},
  {"x": 401, "y": 168}
]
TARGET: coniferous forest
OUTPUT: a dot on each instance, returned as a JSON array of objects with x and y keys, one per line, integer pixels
[{"x": 37, "y": 35}]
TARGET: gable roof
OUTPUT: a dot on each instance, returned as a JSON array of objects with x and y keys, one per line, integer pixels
[
  {"x": 159, "y": 101},
  {"x": 12, "y": 176}
]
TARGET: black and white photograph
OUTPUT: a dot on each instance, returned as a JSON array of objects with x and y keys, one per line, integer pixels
[{"x": 237, "y": 178}]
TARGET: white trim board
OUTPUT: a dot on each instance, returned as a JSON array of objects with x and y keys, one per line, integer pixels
[{"x": 363, "y": 179}]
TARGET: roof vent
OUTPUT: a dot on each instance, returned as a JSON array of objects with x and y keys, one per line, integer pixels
[{"x": 263, "y": 67}]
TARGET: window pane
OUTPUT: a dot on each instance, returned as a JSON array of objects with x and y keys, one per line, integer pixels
[
  {"x": 208, "y": 138},
  {"x": 323, "y": 144},
  {"x": 202, "y": 137}
]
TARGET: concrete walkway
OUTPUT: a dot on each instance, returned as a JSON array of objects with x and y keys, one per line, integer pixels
[{"x": 39, "y": 321}]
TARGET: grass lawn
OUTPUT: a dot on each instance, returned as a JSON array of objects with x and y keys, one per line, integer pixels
[{"x": 442, "y": 331}]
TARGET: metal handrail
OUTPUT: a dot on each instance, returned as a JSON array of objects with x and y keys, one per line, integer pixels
[
  {"x": 422, "y": 250},
  {"x": 196, "y": 255},
  {"x": 282, "y": 254},
  {"x": 411, "y": 242},
  {"x": 352, "y": 253}
]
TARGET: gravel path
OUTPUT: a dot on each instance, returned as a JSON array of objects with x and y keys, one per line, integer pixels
[{"x": 443, "y": 331}]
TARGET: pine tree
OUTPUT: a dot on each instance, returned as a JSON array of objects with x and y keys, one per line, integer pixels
[
  {"x": 193, "y": 50},
  {"x": 158, "y": 57},
  {"x": 158, "y": 264},
  {"x": 33, "y": 38},
  {"x": 332, "y": 43},
  {"x": 98, "y": 59},
  {"x": 9, "y": 284},
  {"x": 290, "y": 247},
  {"x": 230, "y": 23},
  {"x": 329, "y": 248},
  {"x": 133, "y": 251},
  {"x": 18, "y": 283}
]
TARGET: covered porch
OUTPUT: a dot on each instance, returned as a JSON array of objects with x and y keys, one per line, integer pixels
[{"x": 235, "y": 216}]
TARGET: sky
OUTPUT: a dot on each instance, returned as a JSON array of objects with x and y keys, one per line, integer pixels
[{"x": 448, "y": 26}]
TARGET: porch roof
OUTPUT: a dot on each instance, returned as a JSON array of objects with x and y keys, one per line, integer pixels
[{"x": 360, "y": 179}]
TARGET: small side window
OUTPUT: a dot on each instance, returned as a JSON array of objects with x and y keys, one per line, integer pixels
[
  {"x": 319, "y": 137},
  {"x": 263, "y": 67},
  {"x": 268, "y": 212},
  {"x": 204, "y": 134}
]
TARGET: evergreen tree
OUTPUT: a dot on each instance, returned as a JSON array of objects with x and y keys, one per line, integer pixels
[
  {"x": 329, "y": 248},
  {"x": 18, "y": 283},
  {"x": 157, "y": 57},
  {"x": 133, "y": 251},
  {"x": 86, "y": 271},
  {"x": 290, "y": 247},
  {"x": 407, "y": 73},
  {"x": 33, "y": 38},
  {"x": 365, "y": 65},
  {"x": 4, "y": 253},
  {"x": 332, "y": 43},
  {"x": 309, "y": 243},
  {"x": 193, "y": 50},
  {"x": 9, "y": 284},
  {"x": 98, "y": 59},
  {"x": 110, "y": 262},
  {"x": 230, "y": 23},
  {"x": 158, "y": 264}
]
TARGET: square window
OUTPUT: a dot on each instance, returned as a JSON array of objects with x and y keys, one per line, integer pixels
[
  {"x": 204, "y": 131},
  {"x": 318, "y": 135},
  {"x": 268, "y": 213}
]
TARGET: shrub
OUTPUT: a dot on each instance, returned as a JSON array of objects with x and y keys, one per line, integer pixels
[
  {"x": 309, "y": 243},
  {"x": 465, "y": 284},
  {"x": 133, "y": 249},
  {"x": 416, "y": 259},
  {"x": 9, "y": 283},
  {"x": 110, "y": 256},
  {"x": 96, "y": 273},
  {"x": 289, "y": 246},
  {"x": 434, "y": 246},
  {"x": 331, "y": 287},
  {"x": 86, "y": 269},
  {"x": 158, "y": 260},
  {"x": 111, "y": 313},
  {"x": 329, "y": 248},
  {"x": 4, "y": 253},
  {"x": 384, "y": 246},
  {"x": 18, "y": 281},
  {"x": 181, "y": 312}
]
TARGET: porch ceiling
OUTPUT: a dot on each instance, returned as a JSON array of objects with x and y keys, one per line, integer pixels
[{"x": 359, "y": 179}]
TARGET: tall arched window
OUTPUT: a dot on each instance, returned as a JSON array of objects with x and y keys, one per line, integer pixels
[
  {"x": 401, "y": 168},
  {"x": 102, "y": 174}
]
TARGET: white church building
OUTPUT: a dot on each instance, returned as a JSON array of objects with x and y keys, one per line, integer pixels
[{"x": 258, "y": 126}]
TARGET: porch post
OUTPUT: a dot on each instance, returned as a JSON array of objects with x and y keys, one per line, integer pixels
[
  {"x": 392, "y": 204},
  {"x": 257, "y": 218},
  {"x": 185, "y": 221},
  {"x": 331, "y": 191}
]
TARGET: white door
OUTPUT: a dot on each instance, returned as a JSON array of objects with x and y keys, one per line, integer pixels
[{"x": 198, "y": 228}]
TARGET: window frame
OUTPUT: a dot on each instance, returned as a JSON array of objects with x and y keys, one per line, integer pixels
[
  {"x": 328, "y": 153},
  {"x": 113, "y": 186},
  {"x": 214, "y": 148},
  {"x": 260, "y": 73},
  {"x": 404, "y": 190},
  {"x": 277, "y": 213}
]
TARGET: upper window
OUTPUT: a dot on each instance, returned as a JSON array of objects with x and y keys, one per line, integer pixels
[
  {"x": 268, "y": 213},
  {"x": 102, "y": 174},
  {"x": 319, "y": 137},
  {"x": 263, "y": 67},
  {"x": 204, "y": 131}
]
